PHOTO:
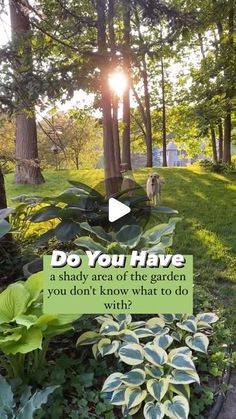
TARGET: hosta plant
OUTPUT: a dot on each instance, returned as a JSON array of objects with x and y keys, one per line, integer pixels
[
  {"x": 25, "y": 331},
  {"x": 160, "y": 355},
  {"x": 5, "y": 226},
  {"x": 29, "y": 402}
]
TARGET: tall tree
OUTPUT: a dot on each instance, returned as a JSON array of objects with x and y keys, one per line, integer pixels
[
  {"x": 164, "y": 138},
  {"x": 27, "y": 163}
]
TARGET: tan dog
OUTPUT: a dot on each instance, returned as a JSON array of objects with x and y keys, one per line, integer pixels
[{"x": 153, "y": 188}]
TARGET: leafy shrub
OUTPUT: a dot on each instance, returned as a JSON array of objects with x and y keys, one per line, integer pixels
[
  {"x": 209, "y": 166},
  {"x": 25, "y": 331},
  {"x": 29, "y": 403},
  {"x": 159, "y": 352},
  {"x": 79, "y": 204}
]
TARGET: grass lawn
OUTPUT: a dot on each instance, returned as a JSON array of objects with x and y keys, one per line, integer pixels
[{"x": 205, "y": 201}]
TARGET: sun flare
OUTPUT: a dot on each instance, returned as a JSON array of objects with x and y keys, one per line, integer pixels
[{"x": 118, "y": 82}]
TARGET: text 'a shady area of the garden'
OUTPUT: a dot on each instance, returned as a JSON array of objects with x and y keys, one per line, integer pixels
[{"x": 138, "y": 283}]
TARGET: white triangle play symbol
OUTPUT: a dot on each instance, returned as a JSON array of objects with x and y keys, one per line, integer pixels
[{"x": 116, "y": 210}]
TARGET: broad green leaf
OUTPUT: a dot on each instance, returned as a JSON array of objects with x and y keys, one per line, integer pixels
[
  {"x": 88, "y": 243},
  {"x": 110, "y": 328},
  {"x": 181, "y": 362},
  {"x": 131, "y": 354},
  {"x": 134, "y": 396},
  {"x": 158, "y": 388},
  {"x": 177, "y": 408},
  {"x": 13, "y": 302},
  {"x": 129, "y": 235},
  {"x": 45, "y": 214},
  {"x": 98, "y": 231},
  {"x": 6, "y": 394},
  {"x": 34, "y": 286},
  {"x": 26, "y": 320},
  {"x": 30, "y": 340},
  {"x": 164, "y": 341},
  {"x": 113, "y": 382},
  {"x": 155, "y": 354},
  {"x": 188, "y": 325},
  {"x": 67, "y": 230},
  {"x": 133, "y": 378},
  {"x": 199, "y": 342},
  {"x": 153, "y": 411},
  {"x": 118, "y": 397},
  {"x": 107, "y": 347},
  {"x": 184, "y": 377},
  {"x": 88, "y": 338},
  {"x": 35, "y": 402}
]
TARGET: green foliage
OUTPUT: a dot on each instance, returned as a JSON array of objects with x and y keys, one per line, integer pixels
[
  {"x": 159, "y": 352},
  {"x": 25, "y": 331},
  {"x": 5, "y": 226},
  {"x": 29, "y": 402},
  {"x": 209, "y": 166}
]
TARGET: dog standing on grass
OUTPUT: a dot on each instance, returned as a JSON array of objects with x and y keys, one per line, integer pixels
[{"x": 153, "y": 188}]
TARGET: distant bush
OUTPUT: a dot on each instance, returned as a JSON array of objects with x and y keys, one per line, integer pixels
[{"x": 209, "y": 166}]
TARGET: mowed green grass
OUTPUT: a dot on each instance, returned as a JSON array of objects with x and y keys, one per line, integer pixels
[{"x": 205, "y": 201}]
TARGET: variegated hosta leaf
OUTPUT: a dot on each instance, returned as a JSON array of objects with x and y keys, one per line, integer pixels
[
  {"x": 134, "y": 396},
  {"x": 155, "y": 354},
  {"x": 118, "y": 397},
  {"x": 177, "y": 408},
  {"x": 203, "y": 325},
  {"x": 144, "y": 333},
  {"x": 135, "y": 409},
  {"x": 127, "y": 318},
  {"x": 199, "y": 342},
  {"x": 131, "y": 354},
  {"x": 154, "y": 371},
  {"x": 177, "y": 336},
  {"x": 164, "y": 341},
  {"x": 184, "y": 377},
  {"x": 158, "y": 389},
  {"x": 182, "y": 350},
  {"x": 153, "y": 411},
  {"x": 102, "y": 319},
  {"x": 181, "y": 390},
  {"x": 88, "y": 338},
  {"x": 156, "y": 324},
  {"x": 136, "y": 325},
  {"x": 107, "y": 347},
  {"x": 188, "y": 325},
  {"x": 113, "y": 382},
  {"x": 168, "y": 318},
  {"x": 181, "y": 362},
  {"x": 207, "y": 317},
  {"x": 95, "y": 350},
  {"x": 129, "y": 336},
  {"x": 133, "y": 378},
  {"x": 110, "y": 328}
]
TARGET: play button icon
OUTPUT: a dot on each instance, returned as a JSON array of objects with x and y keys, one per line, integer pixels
[{"x": 117, "y": 210}]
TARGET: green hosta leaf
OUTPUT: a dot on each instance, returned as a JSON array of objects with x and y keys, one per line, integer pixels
[
  {"x": 144, "y": 333},
  {"x": 134, "y": 396},
  {"x": 26, "y": 320},
  {"x": 181, "y": 362},
  {"x": 129, "y": 235},
  {"x": 67, "y": 230},
  {"x": 6, "y": 394},
  {"x": 13, "y": 302},
  {"x": 199, "y": 342},
  {"x": 155, "y": 354},
  {"x": 88, "y": 243},
  {"x": 164, "y": 341},
  {"x": 45, "y": 214},
  {"x": 177, "y": 336},
  {"x": 34, "y": 286},
  {"x": 184, "y": 377},
  {"x": 188, "y": 325},
  {"x": 107, "y": 347},
  {"x": 35, "y": 402},
  {"x": 178, "y": 408},
  {"x": 30, "y": 340},
  {"x": 113, "y": 382},
  {"x": 168, "y": 318},
  {"x": 86, "y": 189},
  {"x": 131, "y": 354},
  {"x": 182, "y": 350},
  {"x": 13, "y": 337},
  {"x": 118, "y": 397},
  {"x": 129, "y": 336},
  {"x": 5, "y": 212},
  {"x": 127, "y": 318},
  {"x": 154, "y": 234},
  {"x": 88, "y": 338},
  {"x": 158, "y": 388},
  {"x": 98, "y": 231},
  {"x": 154, "y": 371},
  {"x": 5, "y": 227},
  {"x": 133, "y": 378},
  {"x": 110, "y": 328},
  {"x": 207, "y": 317},
  {"x": 181, "y": 390},
  {"x": 153, "y": 411}
]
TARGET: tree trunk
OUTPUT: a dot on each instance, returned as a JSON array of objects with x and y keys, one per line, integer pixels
[
  {"x": 108, "y": 144},
  {"x": 164, "y": 159},
  {"x": 27, "y": 163},
  {"x": 220, "y": 131},
  {"x": 148, "y": 115},
  {"x": 213, "y": 143},
  {"x": 227, "y": 139},
  {"x": 3, "y": 198},
  {"x": 126, "y": 154}
]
